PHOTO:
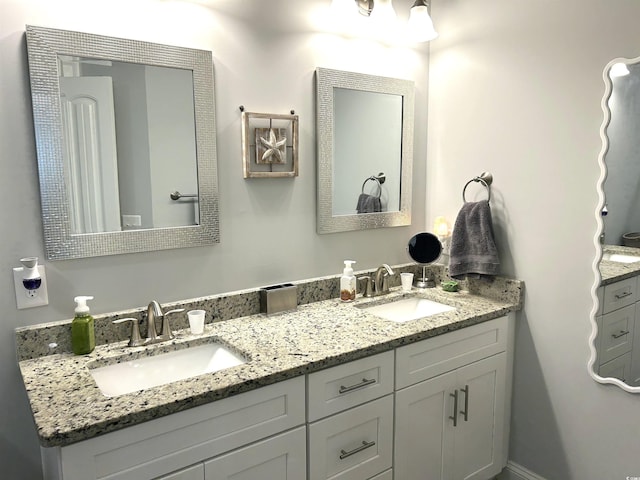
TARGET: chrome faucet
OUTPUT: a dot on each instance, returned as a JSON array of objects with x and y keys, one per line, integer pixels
[{"x": 378, "y": 283}]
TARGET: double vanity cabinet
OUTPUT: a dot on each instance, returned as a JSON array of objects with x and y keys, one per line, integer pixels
[
  {"x": 433, "y": 409},
  {"x": 330, "y": 390}
]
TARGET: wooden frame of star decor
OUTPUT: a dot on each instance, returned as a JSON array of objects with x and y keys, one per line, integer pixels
[{"x": 269, "y": 145}]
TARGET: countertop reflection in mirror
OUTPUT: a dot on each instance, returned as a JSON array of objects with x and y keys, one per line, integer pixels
[
  {"x": 120, "y": 125},
  {"x": 615, "y": 319},
  {"x": 364, "y": 126}
]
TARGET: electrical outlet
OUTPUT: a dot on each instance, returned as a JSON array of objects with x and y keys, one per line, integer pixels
[
  {"x": 131, "y": 221},
  {"x": 26, "y": 298}
]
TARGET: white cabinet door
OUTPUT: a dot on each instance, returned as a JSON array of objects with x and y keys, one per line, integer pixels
[
  {"x": 423, "y": 440},
  {"x": 478, "y": 436},
  {"x": 282, "y": 457},
  {"x": 441, "y": 437}
]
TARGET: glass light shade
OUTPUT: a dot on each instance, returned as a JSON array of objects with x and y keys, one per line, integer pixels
[
  {"x": 383, "y": 12},
  {"x": 343, "y": 9},
  {"x": 420, "y": 24}
]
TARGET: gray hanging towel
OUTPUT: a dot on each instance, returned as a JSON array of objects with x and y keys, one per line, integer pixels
[
  {"x": 473, "y": 249},
  {"x": 368, "y": 204}
]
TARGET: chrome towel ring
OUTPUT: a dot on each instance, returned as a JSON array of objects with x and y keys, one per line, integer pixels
[
  {"x": 486, "y": 179},
  {"x": 379, "y": 179}
]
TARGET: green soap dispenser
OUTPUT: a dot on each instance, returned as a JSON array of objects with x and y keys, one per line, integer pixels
[{"x": 83, "y": 338}]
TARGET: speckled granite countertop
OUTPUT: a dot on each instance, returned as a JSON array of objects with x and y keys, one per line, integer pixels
[
  {"x": 68, "y": 406},
  {"x": 611, "y": 272}
]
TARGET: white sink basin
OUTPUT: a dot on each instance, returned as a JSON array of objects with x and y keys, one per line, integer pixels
[
  {"x": 146, "y": 372},
  {"x": 620, "y": 258},
  {"x": 408, "y": 309}
]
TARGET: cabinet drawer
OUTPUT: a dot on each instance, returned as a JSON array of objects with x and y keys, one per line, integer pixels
[
  {"x": 619, "y": 294},
  {"x": 282, "y": 457},
  {"x": 429, "y": 358},
  {"x": 344, "y": 386},
  {"x": 619, "y": 367},
  {"x": 176, "y": 441},
  {"x": 616, "y": 334},
  {"x": 354, "y": 444}
]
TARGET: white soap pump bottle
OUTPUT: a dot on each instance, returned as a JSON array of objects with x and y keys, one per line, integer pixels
[{"x": 348, "y": 282}]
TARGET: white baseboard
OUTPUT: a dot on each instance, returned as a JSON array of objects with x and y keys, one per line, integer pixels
[{"x": 513, "y": 471}]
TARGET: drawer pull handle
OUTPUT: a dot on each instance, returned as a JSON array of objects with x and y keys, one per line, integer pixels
[
  {"x": 622, "y": 295},
  {"x": 362, "y": 384},
  {"x": 621, "y": 334},
  {"x": 465, "y": 412},
  {"x": 344, "y": 454},
  {"x": 455, "y": 408}
]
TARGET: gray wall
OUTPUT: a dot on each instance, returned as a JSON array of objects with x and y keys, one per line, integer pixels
[
  {"x": 515, "y": 88},
  {"x": 264, "y": 58}
]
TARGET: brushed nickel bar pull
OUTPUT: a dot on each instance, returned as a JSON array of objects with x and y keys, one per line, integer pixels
[
  {"x": 344, "y": 454},
  {"x": 455, "y": 408},
  {"x": 357, "y": 386},
  {"x": 465, "y": 412},
  {"x": 621, "y": 334},
  {"x": 622, "y": 295}
]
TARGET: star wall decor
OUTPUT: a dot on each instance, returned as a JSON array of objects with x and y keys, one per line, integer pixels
[
  {"x": 272, "y": 145},
  {"x": 269, "y": 145}
]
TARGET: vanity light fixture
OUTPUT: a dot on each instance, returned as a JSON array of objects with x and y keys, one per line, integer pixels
[{"x": 420, "y": 24}]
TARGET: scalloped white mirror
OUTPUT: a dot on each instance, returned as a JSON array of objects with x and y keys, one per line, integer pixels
[
  {"x": 615, "y": 318},
  {"x": 126, "y": 144}
]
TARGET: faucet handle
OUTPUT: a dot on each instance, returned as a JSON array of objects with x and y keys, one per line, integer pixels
[
  {"x": 385, "y": 283},
  {"x": 135, "y": 339},
  {"x": 166, "y": 333},
  {"x": 368, "y": 287}
]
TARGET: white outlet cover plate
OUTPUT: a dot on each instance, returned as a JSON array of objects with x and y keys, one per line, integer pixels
[{"x": 23, "y": 300}]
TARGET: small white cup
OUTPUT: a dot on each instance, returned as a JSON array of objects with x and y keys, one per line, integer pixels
[
  {"x": 407, "y": 281},
  {"x": 196, "y": 321}
]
